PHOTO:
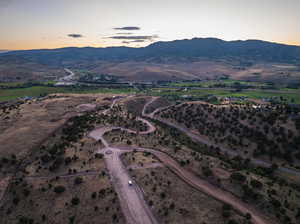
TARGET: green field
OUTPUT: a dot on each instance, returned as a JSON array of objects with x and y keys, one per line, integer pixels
[
  {"x": 11, "y": 84},
  {"x": 35, "y": 91},
  {"x": 256, "y": 94},
  {"x": 226, "y": 82}
]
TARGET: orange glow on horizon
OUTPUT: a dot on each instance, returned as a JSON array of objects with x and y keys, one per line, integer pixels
[{"x": 43, "y": 45}]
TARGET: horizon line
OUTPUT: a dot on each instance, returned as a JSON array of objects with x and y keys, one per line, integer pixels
[{"x": 112, "y": 46}]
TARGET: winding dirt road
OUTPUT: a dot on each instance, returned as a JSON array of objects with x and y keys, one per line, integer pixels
[
  {"x": 132, "y": 202},
  {"x": 207, "y": 188},
  {"x": 134, "y": 207},
  {"x": 201, "y": 140}
]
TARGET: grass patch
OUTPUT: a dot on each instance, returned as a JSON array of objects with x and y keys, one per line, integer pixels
[
  {"x": 35, "y": 91},
  {"x": 226, "y": 83},
  {"x": 256, "y": 94}
]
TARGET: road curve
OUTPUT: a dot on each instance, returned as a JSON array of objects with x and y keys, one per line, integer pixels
[
  {"x": 131, "y": 198},
  {"x": 201, "y": 140},
  {"x": 208, "y": 188},
  {"x": 132, "y": 202},
  {"x": 134, "y": 207}
]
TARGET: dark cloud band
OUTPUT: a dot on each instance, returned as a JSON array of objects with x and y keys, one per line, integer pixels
[
  {"x": 75, "y": 35},
  {"x": 133, "y": 41},
  {"x": 134, "y": 37},
  {"x": 127, "y": 28}
]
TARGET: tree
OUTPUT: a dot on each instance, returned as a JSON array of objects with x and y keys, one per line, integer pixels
[
  {"x": 26, "y": 192},
  {"x": 256, "y": 184},
  {"x": 226, "y": 214},
  {"x": 226, "y": 207},
  {"x": 248, "y": 216},
  {"x": 232, "y": 221},
  {"x": 59, "y": 189},
  {"x": 78, "y": 180},
  {"x": 238, "y": 177},
  {"x": 207, "y": 171},
  {"x": 25, "y": 220},
  {"x": 75, "y": 201},
  {"x": 162, "y": 195},
  {"x": 94, "y": 195},
  {"x": 226, "y": 210},
  {"x": 99, "y": 155}
]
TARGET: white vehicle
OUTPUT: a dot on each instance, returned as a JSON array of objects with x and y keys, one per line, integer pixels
[{"x": 130, "y": 183}]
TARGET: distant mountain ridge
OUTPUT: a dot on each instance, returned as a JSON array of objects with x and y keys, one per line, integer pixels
[{"x": 211, "y": 48}]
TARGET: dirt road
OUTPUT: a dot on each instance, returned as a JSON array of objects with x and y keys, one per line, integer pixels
[
  {"x": 201, "y": 140},
  {"x": 207, "y": 188},
  {"x": 66, "y": 80},
  {"x": 131, "y": 198},
  {"x": 135, "y": 208}
]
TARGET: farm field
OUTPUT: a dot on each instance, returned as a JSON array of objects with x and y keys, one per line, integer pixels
[
  {"x": 292, "y": 97},
  {"x": 36, "y": 91}
]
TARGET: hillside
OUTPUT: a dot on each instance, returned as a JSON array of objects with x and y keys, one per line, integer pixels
[
  {"x": 253, "y": 50},
  {"x": 103, "y": 158},
  {"x": 174, "y": 60}
]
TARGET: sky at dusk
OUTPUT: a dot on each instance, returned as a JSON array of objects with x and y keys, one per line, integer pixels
[{"x": 33, "y": 24}]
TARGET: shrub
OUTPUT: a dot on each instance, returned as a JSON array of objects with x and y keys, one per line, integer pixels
[
  {"x": 94, "y": 195},
  {"x": 207, "y": 171},
  {"x": 226, "y": 207},
  {"x": 256, "y": 184},
  {"x": 16, "y": 200},
  {"x": 68, "y": 160},
  {"x": 99, "y": 156},
  {"x": 162, "y": 195},
  {"x": 45, "y": 158},
  {"x": 25, "y": 220},
  {"x": 26, "y": 192},
  {"x": 56, "y": 164},
  {"x": 75, "y": 201},
  {"x": 226, "y": 214},
  {"x": 59, "y": 189},
  {"x": 238, "y": 177},
  {"x": 232, "y": 221},
  {"x": 78, "y": 180},
  {"x": 248, "y": 216},
  {"x": 275, "y": 203}
]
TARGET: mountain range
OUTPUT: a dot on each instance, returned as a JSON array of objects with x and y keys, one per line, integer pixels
[
  {"x": 210, "y": 48},
  {"x": 197, "y": 58}
]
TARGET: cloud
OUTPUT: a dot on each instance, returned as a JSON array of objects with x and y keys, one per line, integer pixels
[
  {"x": 134, "y": 41},
  {"x": 124, "y": 33},
  {"x": 75, "y": 35},
  {"x": 137, "y": 41},
  {"x": 127, "y": 28},
  {"x": 134, "y": 37}
]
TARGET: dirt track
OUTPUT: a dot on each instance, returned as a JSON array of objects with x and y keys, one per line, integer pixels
[
  {"x": 131, "y": 198},
  {"x": 207, "y": 188},
  {"x": 199, "y": 139},
  {"x": 134, "y": 207},
  {"x": 132, "y": 202}
]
